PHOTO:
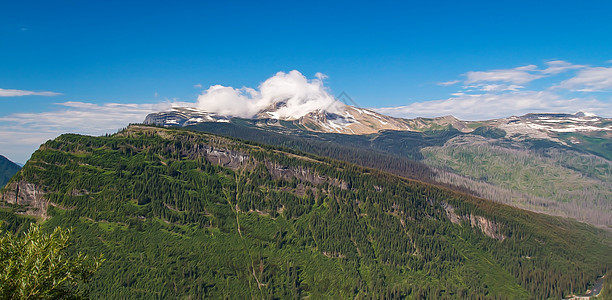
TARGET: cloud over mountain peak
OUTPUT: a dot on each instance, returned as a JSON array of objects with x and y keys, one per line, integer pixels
[{"x": 291, "y": 95}]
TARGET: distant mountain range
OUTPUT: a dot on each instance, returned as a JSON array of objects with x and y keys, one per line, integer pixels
[
  {"x": 554, "y": 163},
  {"x": 359, "y": 121},
  {"x": 7, "y": 170}
]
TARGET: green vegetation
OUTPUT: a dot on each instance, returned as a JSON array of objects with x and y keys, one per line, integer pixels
[
  {"x": 530, "y": 173},
  {"x": 183, "y": 214},
  {"x": 590, "y": 143},
  {"x": 404, "y": 144},
  {"x": 579, "y": 182},
  {"x": 606, "y": 291},
  {"x": 35, "y": 266},
  {"x": 489, "y": 132},
  {"x": 15, "y": 223},
  {"x": 390, "y": 151},
  {"x": 7, "y": 170}
]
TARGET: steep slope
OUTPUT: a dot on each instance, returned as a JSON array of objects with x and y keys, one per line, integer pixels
[
  {"x": 7, "y": 170},
  {"x": 179, "y": 213}
]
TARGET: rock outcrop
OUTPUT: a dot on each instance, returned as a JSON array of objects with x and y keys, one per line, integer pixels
[
  {"x": 29, "y": 196},
  {"x": 488, "y": 227}
]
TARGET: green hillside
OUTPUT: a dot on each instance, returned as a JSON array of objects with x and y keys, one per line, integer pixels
[
  {"x": 560, "y": 181},
  {"x": 571, "y": 180},
  {"x": 7, "y": 170},
  {"x": 181, "y": 214}
]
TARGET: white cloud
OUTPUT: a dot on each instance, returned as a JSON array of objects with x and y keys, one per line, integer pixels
[
  {"x": 18, "y": 93},
  {"x": 502, "y": 92},
  {"x": 494, "y": 87},
  {"x": 86, "y": 118},
  {"x": 198, "y": 86},
  {"x": 559, "y": 66},
  {"x": 447, "y": 83},
  {"x": 589, "y": 80},
  {"x": 22, "y": 133},
  {"x": 291, "y": 94},
  {"x": 491, "y": 105},
  {"x": 228, "y": 101},
  {"x": 321, "y": 76},
  {"x": 520, "y": 75}
]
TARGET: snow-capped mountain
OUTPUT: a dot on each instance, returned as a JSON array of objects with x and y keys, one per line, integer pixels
[
  {"x": 352, "y": 120},
  {"x": 578, "y": 122},
  {"x": 183, "y": 116},
  {"x": 550, "y": 125},
  {"x": 348, "y": 119}
]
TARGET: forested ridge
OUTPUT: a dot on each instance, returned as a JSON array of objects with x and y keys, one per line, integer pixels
[
  {"x": 570, "y": 178},
  {"x": 390, "y": 153},
  {"x": 182, "y": 214}
]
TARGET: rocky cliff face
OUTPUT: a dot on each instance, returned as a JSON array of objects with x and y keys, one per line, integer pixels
[
  {"x": 28, "y": 195},
  {"x": 226, "y": 158},
  {"x": 488, "y": 227},
  {"x": 283, "y": 172}
]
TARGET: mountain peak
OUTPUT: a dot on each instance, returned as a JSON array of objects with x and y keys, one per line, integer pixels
[
  {"x": 579, "y": 114},
  {"x": 337, "y": 118}
]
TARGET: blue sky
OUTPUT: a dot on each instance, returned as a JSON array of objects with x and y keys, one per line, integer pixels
[{"x": 92, "y": 67}]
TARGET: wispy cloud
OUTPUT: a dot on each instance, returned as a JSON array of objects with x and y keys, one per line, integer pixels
[
  {"x": 18, "y": 93},
  {"x": 520, "y": 75},
  {"x": 86, "y": 118},
  {"x": 494, "y": 87},
  {"x": 560, "y": 66},
  {"x": 22, "y": 133},
  {"x": 512, "y": 79},
  {"x": 504, "y": 92},
  {"x": 447, "y": 83},
  {"x": 589, "y": 80},
  {"x": 490, "y": 106},
  {"x": 198, "y": 86}
]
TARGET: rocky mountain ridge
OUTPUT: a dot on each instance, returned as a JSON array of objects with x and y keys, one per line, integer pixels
[{"x": 358, "y": 121}]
